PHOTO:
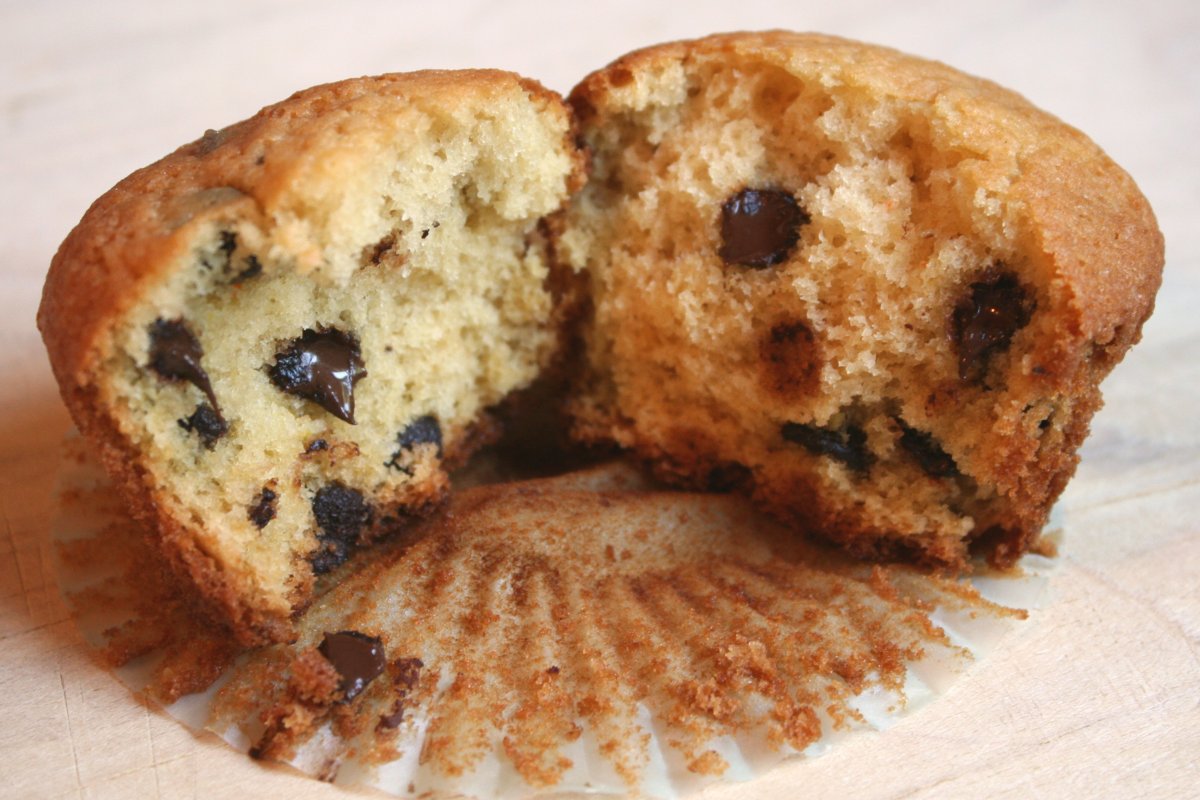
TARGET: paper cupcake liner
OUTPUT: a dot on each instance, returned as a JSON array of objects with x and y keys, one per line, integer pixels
[{"x": 583, "y": 634}]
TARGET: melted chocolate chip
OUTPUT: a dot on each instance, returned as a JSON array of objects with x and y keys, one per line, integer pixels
[
  {"x": 228, "y": 242},
  {"x": 206, "y": 422},
  {"x": 985, "y": 320},
  {"x": 929, "y": 455},
  {"x": 175, "y": 354},
  {"x": 322, "y": 367},
  {"x": 358, "y": 658},
  {"x": 316, "y": 445},
  {"x": 759, "y": 227},
  {"x": 263, "y": 509},
  {"x": 848, "y": 444},
  {"x": 341, "y": 514}
]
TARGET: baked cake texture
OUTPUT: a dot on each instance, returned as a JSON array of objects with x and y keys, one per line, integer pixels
[
  {"x": 874, "y": 292},
  {"x": 279, "y": 336}
]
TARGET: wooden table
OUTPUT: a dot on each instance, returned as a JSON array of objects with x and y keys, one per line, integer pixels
[{"x": 1098, "y": 695}]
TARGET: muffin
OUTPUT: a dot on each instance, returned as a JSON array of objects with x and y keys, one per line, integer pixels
[
  {"x": 279, "y": 337},
  {"x": 874, "y": 293}
]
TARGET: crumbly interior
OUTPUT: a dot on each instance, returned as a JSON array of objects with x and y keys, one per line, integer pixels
[
  {"x": 419, "y": 243},
  {"x": 701, "y": 363}
]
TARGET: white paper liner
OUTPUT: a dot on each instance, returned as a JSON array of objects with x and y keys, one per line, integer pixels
[{"x": 88, "y": 508}]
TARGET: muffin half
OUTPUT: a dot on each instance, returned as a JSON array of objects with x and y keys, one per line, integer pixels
[
  {"x": 279, "y": 336},
  {"x": 874, "y": 292}
]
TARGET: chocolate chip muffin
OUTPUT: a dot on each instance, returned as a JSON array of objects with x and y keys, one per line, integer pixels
[
  {"x": 279, "y": 336},
  {"x": 874, "y": 292}
]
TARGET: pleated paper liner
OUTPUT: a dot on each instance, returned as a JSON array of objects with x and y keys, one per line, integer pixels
[{"x": 585, "y": 633}]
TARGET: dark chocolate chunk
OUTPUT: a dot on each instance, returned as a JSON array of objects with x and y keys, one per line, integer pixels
[
  {"x": 328, "y": 556},
  {"x": 759, "y": 227},
  {"x": 406, "y": 673},
  {"x": 321, "y": 366},
  {"x": 422, "y": 430},
  {"x": 263, "y": 509},
  {"x": 206, "y": 422},
  {"x": 316, "y": 445},
  {"x": 934, "y": 460},
  {"x": 791, "y": 365},
  {"x": 847, "y": 444},
  {"x": 393, "y": 718},
  {"x": 341, "y": 514},
  {"x": 175, "y": 354},
  {"x": 224, "y": 255},
  {"x": 985, "y": 320},
  {"x": 358, "y": 658}
]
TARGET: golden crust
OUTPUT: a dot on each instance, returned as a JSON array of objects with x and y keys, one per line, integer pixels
[
  {"x": 133, "y": 236},
  {"x": 1096, "y": 238}
]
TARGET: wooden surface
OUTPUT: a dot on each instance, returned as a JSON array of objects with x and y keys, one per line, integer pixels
[{"x": 1097, "y": 696}]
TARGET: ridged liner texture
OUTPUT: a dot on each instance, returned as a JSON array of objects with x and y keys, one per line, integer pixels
[{"x": 585, "y": 633}]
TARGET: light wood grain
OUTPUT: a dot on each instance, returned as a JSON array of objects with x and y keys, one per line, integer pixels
[{"x": 1096, "y": 696}]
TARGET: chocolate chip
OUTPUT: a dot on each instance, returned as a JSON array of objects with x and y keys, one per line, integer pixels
[
  {"x": 358, "y": 658},
  {"x": 263, "y": 509},
  {"x": 759, "y": 227},
  {"x": 253, "y": 270},
  {"x": 422, "y": 430},
  {"x": 341, "y": 514},
  {"x": 175, "y": 354},
  {"x": 985, "y": 320},
  {"x": 791, "y": 365},
  {"x": 316, "y": 445},
  {"x": 393, "y": 718},
  {"x": 328, "y": 556},
  {"x": 321, "y": 366},
  {"x": 375, "y": 253},
  {"x": 406, "y": 673},
  {"x": 206, "y": 422},
  {"x": 847, "y": 444},
  {"x": 934, "y": 460},
  {"x": 228, "y": 242}
]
